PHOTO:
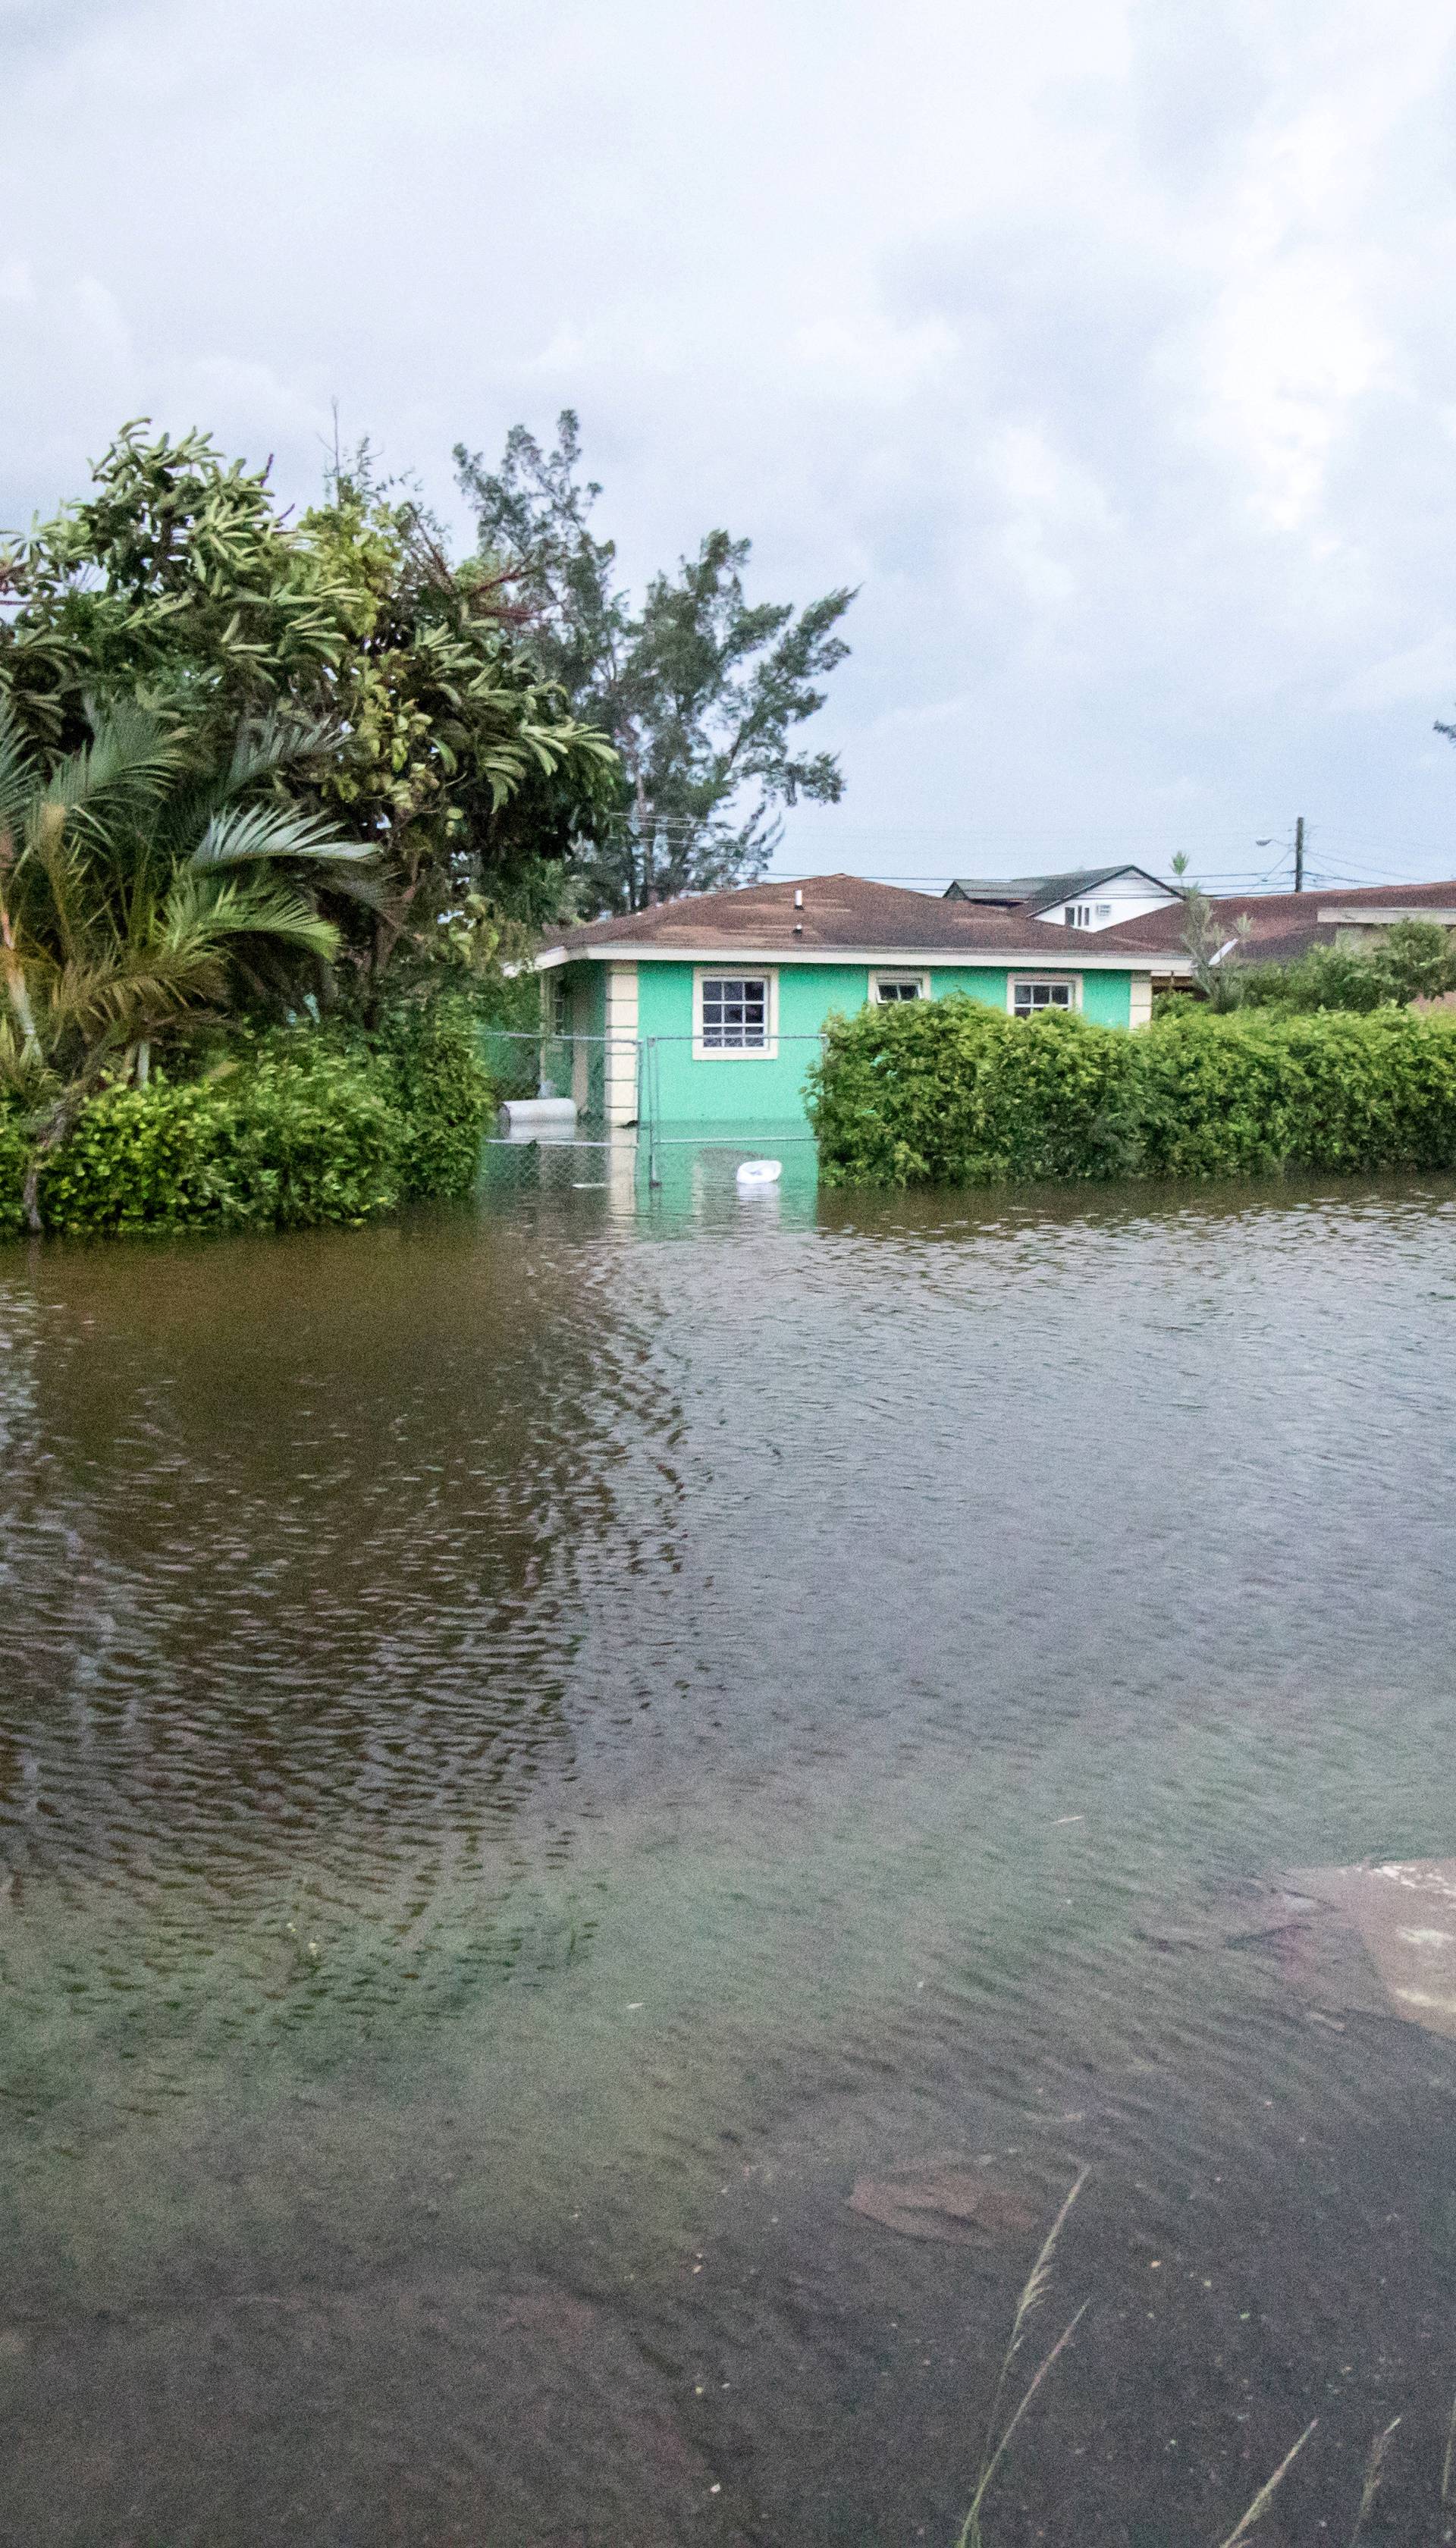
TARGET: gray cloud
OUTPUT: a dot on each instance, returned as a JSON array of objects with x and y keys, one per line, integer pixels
[{"x": 1107, "y": 344}]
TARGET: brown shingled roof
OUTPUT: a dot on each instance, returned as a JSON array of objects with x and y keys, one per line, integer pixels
[
  {"x": 1282, "y": 925},
  {"x": 841, "y": 913}
]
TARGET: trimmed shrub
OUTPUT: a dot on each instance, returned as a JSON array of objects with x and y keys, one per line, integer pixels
[
  {"x": 1252, "y": 1093},
  {"x": 301, "y": 1134},
  {"x": 305, "y": 1127},
  {"x": 951, "y": 1092}
]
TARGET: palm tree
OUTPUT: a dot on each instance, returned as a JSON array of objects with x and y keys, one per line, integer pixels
[{"x": 139, "y": 899}]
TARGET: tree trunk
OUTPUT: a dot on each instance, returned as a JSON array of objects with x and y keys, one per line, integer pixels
[
  {"x": 58, "y": 1123},
  {"x": 649, "y": 888},
  {"x": 50, "y": 1138},
  {"x": 15, "y": 986}
]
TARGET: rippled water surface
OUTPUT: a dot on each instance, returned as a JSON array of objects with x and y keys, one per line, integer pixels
[{"x": 539, "y": 1751}]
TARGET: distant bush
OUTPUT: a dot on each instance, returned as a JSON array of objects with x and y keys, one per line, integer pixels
[
  {"x": 1416, "y": 960},
  {"x": 951, "y": 1092},
  {"x": 296, "y": 1128}
]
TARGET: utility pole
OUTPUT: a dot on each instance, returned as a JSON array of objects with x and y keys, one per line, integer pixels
[{"x": 1299, "y": 854}]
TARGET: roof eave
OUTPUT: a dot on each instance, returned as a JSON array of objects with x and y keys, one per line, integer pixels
[{"x": 1048, "y": 958}]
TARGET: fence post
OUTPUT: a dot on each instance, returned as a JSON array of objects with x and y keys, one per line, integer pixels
[{"x": 654, "y": 1172}]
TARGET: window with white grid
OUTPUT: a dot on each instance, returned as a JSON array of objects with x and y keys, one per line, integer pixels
[
  {"x": 885, "y": 989},
  {"x": 733, "y": 1013},
  {"x": 1032, "y": 999}
]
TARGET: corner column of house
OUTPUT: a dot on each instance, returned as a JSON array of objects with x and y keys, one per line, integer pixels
[
  {"x": 581, "y": 1049},
  {"x": 619, "y": 1076},
  {"x": 1139, "y": 1000}
]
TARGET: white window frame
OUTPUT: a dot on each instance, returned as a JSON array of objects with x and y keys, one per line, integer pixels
[
  {"x": 732, "y": 971},
  {"x": 896, "y": 973},
  {"x": 1025, "y": 981}
]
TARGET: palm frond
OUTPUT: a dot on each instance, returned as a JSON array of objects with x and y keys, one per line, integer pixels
[
  {"x": 106, "y": 1003},
  {"x": 260, "y": 750},
  {"x": 211, "y": 911},
  {"x": 130, "y": 759},
  {"x": 17, "y": 771},
  {"x": 242, "y": 834},
  {"x": 69, "y": 879},
  {"x": 273, "y": 744},
  {"x": 352, "y": 884}
]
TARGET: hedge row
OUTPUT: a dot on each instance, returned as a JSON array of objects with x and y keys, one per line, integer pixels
[
  {"x": 951, "y": 1092},
  {"x": 299, "y": 1129}
]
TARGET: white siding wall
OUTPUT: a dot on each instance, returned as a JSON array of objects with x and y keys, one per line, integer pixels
[
  {"x": 1128, "y": 904},
  {"x": 1139, "y": 1000}
]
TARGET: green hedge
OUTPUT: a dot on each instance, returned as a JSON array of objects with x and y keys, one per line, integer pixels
[
  {"x": 295, "y": 1130},
  {"x": 951, "y": 1092},
  {"x": 445, "y": 1091}
]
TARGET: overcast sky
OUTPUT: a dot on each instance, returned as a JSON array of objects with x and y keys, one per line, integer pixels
[{"x": 1109, "y": 348}]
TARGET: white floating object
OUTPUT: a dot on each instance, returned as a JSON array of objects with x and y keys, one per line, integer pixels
[
  {"x": 759, "y": 1172},
  {"x": 538, "y": 1119}
]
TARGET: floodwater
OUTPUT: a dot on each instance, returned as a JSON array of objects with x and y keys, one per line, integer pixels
[{"x": 607, "y": 1797}]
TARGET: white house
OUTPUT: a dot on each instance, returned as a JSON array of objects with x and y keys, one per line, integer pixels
[{"x": 1087, "y": 898}]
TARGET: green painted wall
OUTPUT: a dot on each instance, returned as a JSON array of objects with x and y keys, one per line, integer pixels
[
  {"x": 977, "y": 981},
  {"x": 591, "y": 998},
  {"x": 1107, "y": 998},
  {"x": 741, "y": 1089}
]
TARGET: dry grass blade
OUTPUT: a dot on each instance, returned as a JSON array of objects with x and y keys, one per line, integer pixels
[
  {"x": 1034, "y": 2292},
  {"x": 1370, "y": 2488},
  {"x": 1269, "y": 2489},
  {"x": 972, "y": 2527},
  {"x": 1446, "y": 2472},
  {"x": 1039, "y": 2277}
]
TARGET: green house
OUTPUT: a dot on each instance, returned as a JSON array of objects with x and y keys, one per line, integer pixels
[{"x": 708, "y": 1011}]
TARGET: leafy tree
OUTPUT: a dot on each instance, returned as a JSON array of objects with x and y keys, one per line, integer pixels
[
  {"x": 179, "y": 586},
  {"x": 140, "y": 899},
  {"x": 455, "y": 756},
  {"x": 1216, "y": 969},
  {"x": 701, "y": 692},
  {"x": 176, "y": 583}
]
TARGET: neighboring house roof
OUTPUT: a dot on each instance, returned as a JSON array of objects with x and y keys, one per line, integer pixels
[
  {"x": 1030, "y": 894},
  {"x": 1283, "y": 926},
  {"x": 843, "y": 916}
]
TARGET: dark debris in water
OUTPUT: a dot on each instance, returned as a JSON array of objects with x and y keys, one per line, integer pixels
[{"x": 956, "y": 2201}]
